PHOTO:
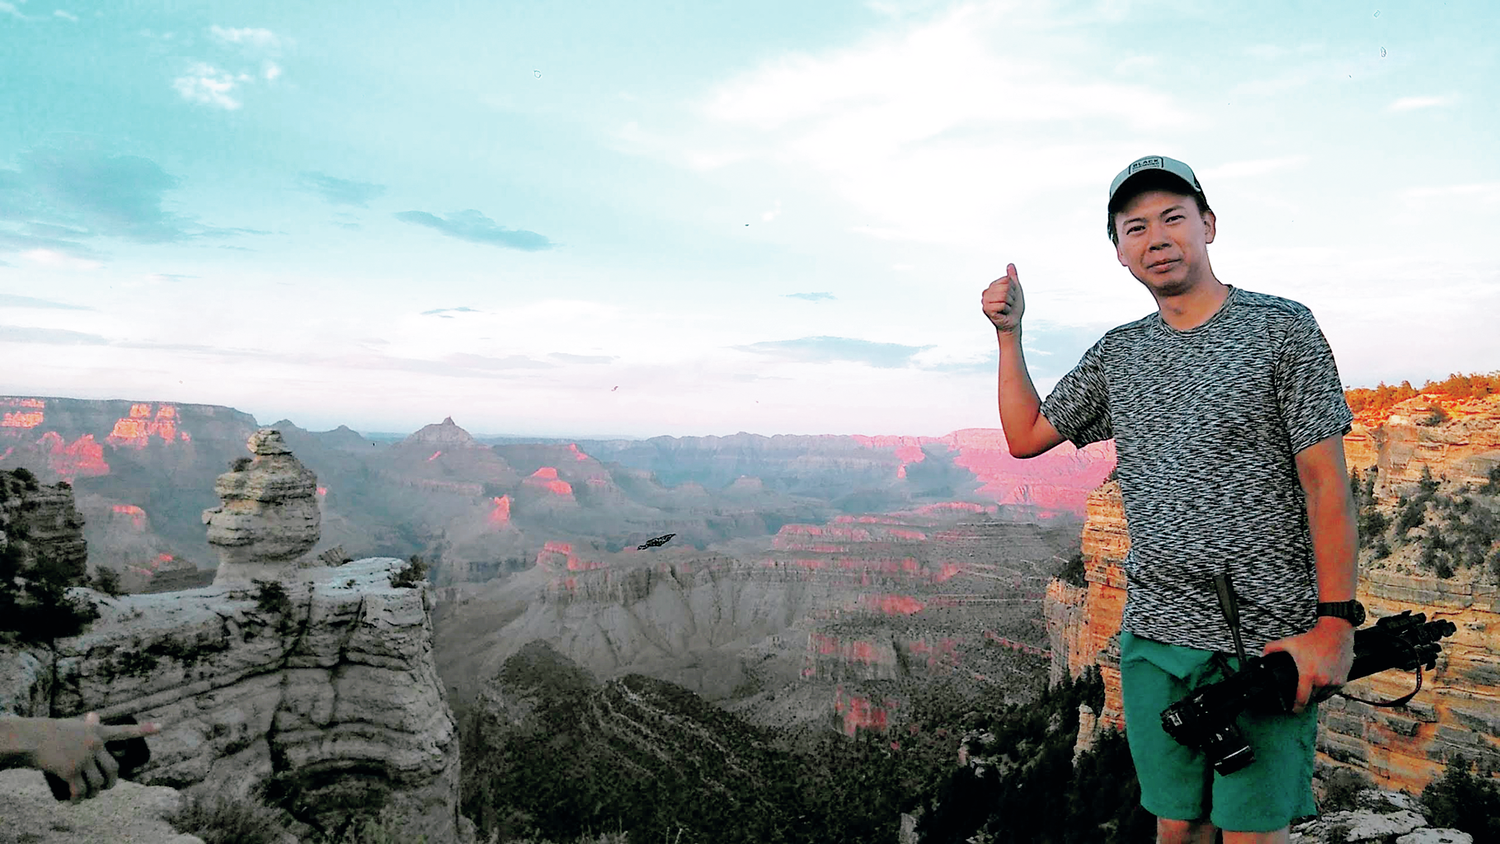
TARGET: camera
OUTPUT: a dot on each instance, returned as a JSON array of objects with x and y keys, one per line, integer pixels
[{"x": 1205, "y": 719}]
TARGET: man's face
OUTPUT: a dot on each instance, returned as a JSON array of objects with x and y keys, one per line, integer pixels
[{"x": 1164, "y": 241}]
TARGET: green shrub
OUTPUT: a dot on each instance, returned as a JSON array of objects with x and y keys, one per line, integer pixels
[
  {"x": 218, "y": 818},
  {"x": 106, "y": 580},
  {"x": 411, "y": 574},
  {"x": 271, "y": 597},
  {"x": 1492, "y": 482},
  {"x": 34, "y": 603},
  {"x": 1073, "y": 571},
  {"x": 1465, "y": 801},
  {"x": 1341, "y": 790}
]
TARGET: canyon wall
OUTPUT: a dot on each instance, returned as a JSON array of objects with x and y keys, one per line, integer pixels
[
  {"x": 1458, "y": 709},
  {"x": 1083, "y": 623}
]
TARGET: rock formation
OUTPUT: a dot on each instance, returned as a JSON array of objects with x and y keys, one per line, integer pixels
[
  {"x": 126, "y": 813},
  {"x": 269, "y": 513},
  {"x": 1400, "y": 444},
  {"x": 1083, "y": 623},
  {"x": 44, "y": 523},
  {"x": 1458, "y": 709},
  {"x": 320, "y": 687}
]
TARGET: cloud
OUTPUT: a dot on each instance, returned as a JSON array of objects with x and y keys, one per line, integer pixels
[
  {"x": 439, "y": 311},
  {"x": 204, "y": 83},
  {"x": 90, "y": 194},
  {"x": 49, "y": 336},
  {"x": 341, "y": 191},
  {"x": 271, "y": 71},
  {"x": 10, "y": 9},
  {"x": 8, "y": 300},
  {"x": 13, "y": 242},
  {"x": 53, "y": 258},
  {"x": 826, "y": 349},
  {"x": 158, "y": 278},
  {"x": 567, "y": 357},
  {"x": 263, "y": 40},
  {"x": 812, "y": 297},
  {"x": 67, "y": 16},
  {"x": 474, "y": 227},
  {"x": 1411, "y": 103}
]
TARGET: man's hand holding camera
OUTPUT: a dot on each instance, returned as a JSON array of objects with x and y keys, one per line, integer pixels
[{"x": 1323, "y": 655}]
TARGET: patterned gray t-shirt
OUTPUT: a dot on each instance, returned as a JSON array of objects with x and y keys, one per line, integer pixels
[{"x": 1206, "y": 423}]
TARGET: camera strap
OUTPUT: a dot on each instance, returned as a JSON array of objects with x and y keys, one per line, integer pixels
[{"x": 1230, "y": 607}]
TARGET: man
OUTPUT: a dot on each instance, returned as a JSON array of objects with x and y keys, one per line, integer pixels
[
  {"x": 73, "y": 749},
  {"x": 1228, "y": 418}
]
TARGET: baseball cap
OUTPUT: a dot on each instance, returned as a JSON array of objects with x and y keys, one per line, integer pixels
[{"x": 1155, "y": 163}]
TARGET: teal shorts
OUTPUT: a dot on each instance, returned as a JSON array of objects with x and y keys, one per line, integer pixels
[{"x": 1179, "y": 783}]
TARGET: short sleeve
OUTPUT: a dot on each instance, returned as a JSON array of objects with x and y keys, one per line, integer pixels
[
  {"x": 1078, "y": 407},
  {"x": 1308, "y": 386}
]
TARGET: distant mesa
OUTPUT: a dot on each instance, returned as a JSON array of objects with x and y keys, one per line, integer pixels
[{"x": 443, "y": 435}]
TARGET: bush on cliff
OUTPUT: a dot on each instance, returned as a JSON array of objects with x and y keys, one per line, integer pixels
[
  {"x": 411, "y": 574},
  {"x": 1026, "y": 786},
  {"x": 1465, "y": 800},
  {"x": 34, "y": 604}
]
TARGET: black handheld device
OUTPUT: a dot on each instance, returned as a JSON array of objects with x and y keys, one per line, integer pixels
[
  {"x": 132, "y": 754},
  {"x": 1205, "y": 719}
]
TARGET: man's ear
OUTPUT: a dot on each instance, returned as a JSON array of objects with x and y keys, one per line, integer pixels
[
  {"x": 1209, "y": 226},
  {"x": 1120, "y": 255}
]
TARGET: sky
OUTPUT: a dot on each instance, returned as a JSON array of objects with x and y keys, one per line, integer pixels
[{"x": 608, "y": 219}]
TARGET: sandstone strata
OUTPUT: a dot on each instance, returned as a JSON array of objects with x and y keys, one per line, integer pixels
[
  {"x": 45, "y": 524},
  {"x": 269, "y": 513},
  {"x": 330, "y": 695},
  {"x": 1083, "y": 623},
  {"x": 1458, "y": 710},
  {"x": 1462, "y": 449}
]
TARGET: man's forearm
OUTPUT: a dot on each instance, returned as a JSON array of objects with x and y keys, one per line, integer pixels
[
  {"x": 1330, "y": 517},
  {"x": 17, "y": 743},
  {"x": 1019, "y": 403}
]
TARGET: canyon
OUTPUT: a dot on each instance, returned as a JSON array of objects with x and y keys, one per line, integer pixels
[
  {"x": 1457, "y": 712},
  {"x": 143, "y": 472},
  {"x": 312, "y": 688}
]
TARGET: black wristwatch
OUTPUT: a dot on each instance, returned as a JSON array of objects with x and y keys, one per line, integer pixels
[{"x": 1350, "y": 611}]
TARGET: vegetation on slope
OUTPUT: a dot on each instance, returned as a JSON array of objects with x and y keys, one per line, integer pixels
[
  {"x": 565, "y": 757},
  {"x": 1445, "y": 528},
  {"x": 1381, "y": 398},
  {"x": 34, "y": 604}
]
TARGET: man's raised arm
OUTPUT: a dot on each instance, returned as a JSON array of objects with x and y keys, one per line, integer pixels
[{"x": 1027, "y": 431}]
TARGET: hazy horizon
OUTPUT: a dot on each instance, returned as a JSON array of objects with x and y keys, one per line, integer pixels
[{"x": 684, "y": 222}]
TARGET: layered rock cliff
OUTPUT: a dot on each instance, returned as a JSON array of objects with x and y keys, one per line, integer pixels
[
  {"x": 324, "y": 691},
  {"x": 1083, "y": 622},
  {"x": 44, "y": 524},
  {"x": 1458, "y": 710}
]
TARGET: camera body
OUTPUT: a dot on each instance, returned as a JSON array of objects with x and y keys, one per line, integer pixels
[{"x": 1205, "y": 719}]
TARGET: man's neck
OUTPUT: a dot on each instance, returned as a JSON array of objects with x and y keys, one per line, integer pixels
[{"x": 1192, "y": 308}]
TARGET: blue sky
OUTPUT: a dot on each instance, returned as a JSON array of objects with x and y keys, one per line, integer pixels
[{"x": 591, "y": 219}]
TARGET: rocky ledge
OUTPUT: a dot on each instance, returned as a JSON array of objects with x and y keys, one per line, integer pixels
[{"x": 320, "y": 686}]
